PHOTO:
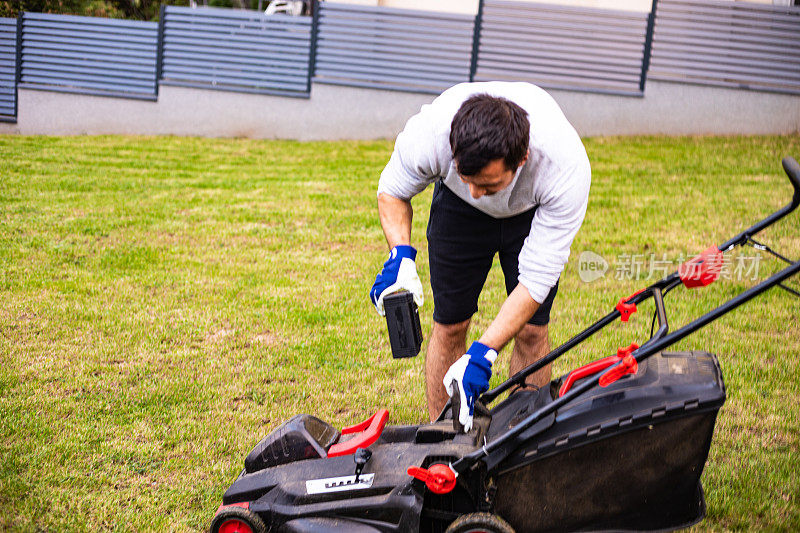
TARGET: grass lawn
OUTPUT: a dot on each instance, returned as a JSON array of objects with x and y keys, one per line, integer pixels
[{"x": 166, "y": 302}]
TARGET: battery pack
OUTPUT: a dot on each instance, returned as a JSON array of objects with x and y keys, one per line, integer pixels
[{"x": 402, "y": 319}]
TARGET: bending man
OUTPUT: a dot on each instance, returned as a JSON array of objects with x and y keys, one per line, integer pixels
[{"x": 511, "y": 178}]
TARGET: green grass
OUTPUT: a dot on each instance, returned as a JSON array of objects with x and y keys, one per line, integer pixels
[{"x": 168, "y": 301}]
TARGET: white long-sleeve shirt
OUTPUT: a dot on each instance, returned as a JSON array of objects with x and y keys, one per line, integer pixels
[{"x": 555, "y": 179}]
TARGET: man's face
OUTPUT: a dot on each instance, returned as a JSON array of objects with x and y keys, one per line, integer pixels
[{"x": 492, "y": 178}]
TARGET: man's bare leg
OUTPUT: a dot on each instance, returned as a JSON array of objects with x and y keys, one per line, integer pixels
[
  {"x": 448, "y": 342},
  {"x": 531, "y": 344}
]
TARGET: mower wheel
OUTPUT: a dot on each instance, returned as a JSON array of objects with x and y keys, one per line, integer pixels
[
  {"x": 237, "y": 520},
  {"x": 480, "y": 523}
]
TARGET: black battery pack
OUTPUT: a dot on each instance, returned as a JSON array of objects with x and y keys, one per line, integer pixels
[{"x": 402, "y": 319}]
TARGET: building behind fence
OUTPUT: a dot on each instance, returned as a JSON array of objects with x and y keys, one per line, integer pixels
[{"x": 715, "y": 43}]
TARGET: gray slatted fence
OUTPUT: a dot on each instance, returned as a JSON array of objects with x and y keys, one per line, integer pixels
[
  {"x": 89, "y": 55},
  {"x": 562, "y": 47},
  {"x": 8, "y": 70},
  {"x": 243, "y": 51},
  {"x": 389, "y": 48},
  {"x": 732, "y": 44}
]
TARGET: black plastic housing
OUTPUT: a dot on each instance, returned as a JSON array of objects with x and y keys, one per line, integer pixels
[
  {"x": 300, "y": 437},
  {"x": 625, "y": 457},
  {"x": 402, "y": 319}
]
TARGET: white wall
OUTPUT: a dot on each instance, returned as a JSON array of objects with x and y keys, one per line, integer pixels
[
  {"x": 335, "y": 112},
  {"x": 332, "y": 112},
  {"x": 471, "y": 6}
]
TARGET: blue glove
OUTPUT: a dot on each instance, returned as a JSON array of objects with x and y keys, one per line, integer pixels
[
  {"x": 471, "y": 372},
  {"x": 399, "y": 272}
]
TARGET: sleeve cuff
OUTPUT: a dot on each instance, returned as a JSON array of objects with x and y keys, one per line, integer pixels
[{"x": 538, "y": 291}]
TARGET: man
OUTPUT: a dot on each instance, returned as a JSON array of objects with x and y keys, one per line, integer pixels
[{"x": 512, "y": 177}]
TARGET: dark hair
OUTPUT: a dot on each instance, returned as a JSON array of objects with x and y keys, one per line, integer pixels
[{"x": 486, "y": 128}]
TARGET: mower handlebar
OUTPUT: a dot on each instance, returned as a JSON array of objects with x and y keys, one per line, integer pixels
[
  {"x": 793, "y": 171},
  {"x": 657, "y": 290}
]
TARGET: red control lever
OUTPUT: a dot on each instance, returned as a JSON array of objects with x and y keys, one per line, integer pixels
[
  {"x": 439, "y": 478},
  {"x": 594, "y": 367},
  {"x": 627, "y": 366},
  {"x": 703, "y": 269},
  {"x": 585, "y": 371},
  {"x": 371, "y": 428}
]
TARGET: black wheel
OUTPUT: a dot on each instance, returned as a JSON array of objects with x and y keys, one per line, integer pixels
[
  {"x": 479, "y": 523},
  {"x": 234, "y": 519}
]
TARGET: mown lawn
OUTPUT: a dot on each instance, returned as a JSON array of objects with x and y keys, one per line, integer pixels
[{"x": 168, "y": 301}]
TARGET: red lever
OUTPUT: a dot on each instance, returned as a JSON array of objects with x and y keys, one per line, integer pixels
[
  {"x": 703, "y": 269},
  {"x": 439, "y": 478},
  {"x": 627, "y": 309},
  {"x": 627, "y": 366},
  {"x": 371, "y": 427},
  {"x": 586, "y": 371},
  {"x": 595, "y": 367}
]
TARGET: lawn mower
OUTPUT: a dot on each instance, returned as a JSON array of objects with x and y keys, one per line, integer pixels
[{"x": 618, "y": 444}]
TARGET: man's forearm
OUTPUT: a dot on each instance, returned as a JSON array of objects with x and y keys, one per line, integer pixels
[
  {"x": 395, "y": 216},
  {"x": 518, "y": 308}
]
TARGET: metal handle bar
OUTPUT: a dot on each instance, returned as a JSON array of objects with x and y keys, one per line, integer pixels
[
  {"x": 505, "y": 444},
  {"x": 663, "y": 286},
  {"x": 792, "y": 170}
]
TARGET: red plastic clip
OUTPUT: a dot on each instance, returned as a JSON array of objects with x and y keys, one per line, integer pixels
[
  {"x": 628, "y": 365},
  {"x": 627, "y": 309},
  {"x": 703, "y": 269},
  {"x": 371, "y": 427},
  {"x": 439, "y": 478},
  {"x": 622, "y": 352}
]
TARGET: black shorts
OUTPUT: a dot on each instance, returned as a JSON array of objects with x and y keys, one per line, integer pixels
[{"x": 462, "y": 242}]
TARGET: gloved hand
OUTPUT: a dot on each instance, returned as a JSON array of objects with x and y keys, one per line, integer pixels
[
  {"x": 399, "y": 272},
  {"x": 471, "y": 372}
]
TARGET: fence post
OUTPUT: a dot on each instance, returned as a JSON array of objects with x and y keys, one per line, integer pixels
[
  {"x": 18, "y": 65},
  {"x": 648, "y": 45},
  {"x": 476, "y": 41},
  {"x": 162, "y": 15},
  {"x": 312, "y": 53}
]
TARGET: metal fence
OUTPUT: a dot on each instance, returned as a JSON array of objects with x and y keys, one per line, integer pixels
[
  {"x": 236, "y": 50},
  {"x": 722, "y": 43},
  {"x": 8, "y": 70},
  {"x": 728, "y": 44},
  {"x": 89, "y": 55},
  {"x": 422, "y": 51},
  {"x": 557, "y": 46}
]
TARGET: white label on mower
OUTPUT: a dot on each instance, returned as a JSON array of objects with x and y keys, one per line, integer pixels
[{"x": 336, "y": 484}]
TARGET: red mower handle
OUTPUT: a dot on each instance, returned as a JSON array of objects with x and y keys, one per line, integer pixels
[
  {"x": 371, "y": 429},
  {"x": 596, "y": 366},
  {"x": 585, "y": 371}
]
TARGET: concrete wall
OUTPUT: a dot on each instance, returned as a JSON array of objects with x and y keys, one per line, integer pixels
[
  {"x": 335, "y": 112},
  {"x": 682, "y": 109},
  {"x": 332, "y": 112}
]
